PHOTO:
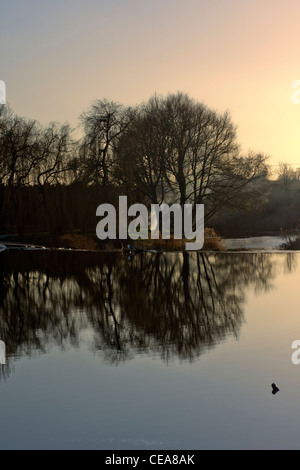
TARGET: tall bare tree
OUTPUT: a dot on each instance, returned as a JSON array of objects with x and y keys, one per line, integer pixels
[
  {"x": 178, "y": 150},
  {"x": 103, "y": 124}
]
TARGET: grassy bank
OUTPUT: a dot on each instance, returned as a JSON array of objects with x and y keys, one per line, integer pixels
[{"x": 212, "y": 241}]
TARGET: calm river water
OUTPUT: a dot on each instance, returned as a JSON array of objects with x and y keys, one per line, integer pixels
[{"x": 164, "y": 351}]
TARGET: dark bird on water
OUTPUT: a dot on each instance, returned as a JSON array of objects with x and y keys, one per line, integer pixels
[{"x": 275, "y": 389}]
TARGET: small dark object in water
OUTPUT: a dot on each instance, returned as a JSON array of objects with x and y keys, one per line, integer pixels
[
  {"x": 131, "y": 250},
  {"x": 275, "y": 389}
]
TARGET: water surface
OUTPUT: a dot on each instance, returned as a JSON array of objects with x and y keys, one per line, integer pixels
[{"x": 164, "y": 351}]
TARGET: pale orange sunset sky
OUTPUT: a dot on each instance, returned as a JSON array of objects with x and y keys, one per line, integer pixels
[{"x": 56, "y": 57}]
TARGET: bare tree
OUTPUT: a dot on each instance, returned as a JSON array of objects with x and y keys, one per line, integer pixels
[
  {"x": 178, "y": 150},
  {"x": 141, "y": 154},
  {"x": 103, "y": 125},
  {"x": 31, "y": 154},
  {"x": 18, "y": 148},
  {"x": 55, "y": 155},
  {"x": 286, "y": 175}
]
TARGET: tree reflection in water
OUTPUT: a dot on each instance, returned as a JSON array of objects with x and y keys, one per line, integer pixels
[{"x": 174, "y": 305}]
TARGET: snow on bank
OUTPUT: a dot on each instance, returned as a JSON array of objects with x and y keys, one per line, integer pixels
[{"x": 253, "y": 243}]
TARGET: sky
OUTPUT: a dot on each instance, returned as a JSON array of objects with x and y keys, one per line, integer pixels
[{"x": 58, "y": 56}]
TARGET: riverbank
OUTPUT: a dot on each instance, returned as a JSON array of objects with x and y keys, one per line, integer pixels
[
  {"x": 212, "y": 241},
  {"x": 85, "y": 243}
]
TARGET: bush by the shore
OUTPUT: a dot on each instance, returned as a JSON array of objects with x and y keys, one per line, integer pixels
[{"x": 212, "y": 241}]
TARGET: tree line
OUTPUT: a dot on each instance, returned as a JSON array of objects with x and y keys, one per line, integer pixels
[{"x": 169, "y": 149}]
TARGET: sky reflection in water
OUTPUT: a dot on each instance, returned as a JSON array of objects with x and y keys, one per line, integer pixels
[{"x": 174, "y": 351}]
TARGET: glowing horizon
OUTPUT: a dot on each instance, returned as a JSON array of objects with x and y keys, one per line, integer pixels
[{"x": 58, "y": 58}]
